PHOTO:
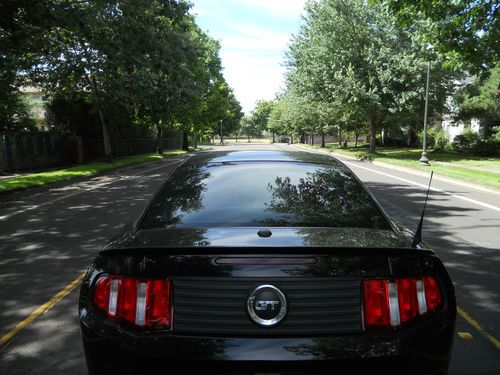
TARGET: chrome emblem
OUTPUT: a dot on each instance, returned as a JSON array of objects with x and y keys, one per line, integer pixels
[{"x": 267, "y": 305}]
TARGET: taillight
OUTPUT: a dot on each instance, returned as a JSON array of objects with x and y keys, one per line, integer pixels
[
  {"x": 389, "y": 303},
  {"x": 432, "y": 294},
  {"x": 144, "y": 303}
]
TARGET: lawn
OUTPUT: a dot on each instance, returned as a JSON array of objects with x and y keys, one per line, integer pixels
[
  {"x": 482, "y": 170},
  {"x": 44, "y": 178}
]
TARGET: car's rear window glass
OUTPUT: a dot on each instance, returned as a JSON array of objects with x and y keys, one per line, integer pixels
[{"x": 263, "y": 194}]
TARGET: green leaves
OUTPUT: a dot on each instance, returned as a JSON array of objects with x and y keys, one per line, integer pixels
[
  {"x": 138, "y": 62},
  {"x": 351, "y": 66},
  {"x": 466, "y": 33},
  {"x": 481, "y": 99}
]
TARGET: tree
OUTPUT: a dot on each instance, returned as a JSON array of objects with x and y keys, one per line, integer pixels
[
  {"x": 248, "y": 127},
  {"x": 135, "y": 63},
  {"x": 466, "y": 32},
  {"x": 260, "y": 115},
  {"x": 23, "y": 27},
  {"x": 350, "y": 54},
  {"x": 15, "y": 115},
  {"x": 481, "y": 99}
]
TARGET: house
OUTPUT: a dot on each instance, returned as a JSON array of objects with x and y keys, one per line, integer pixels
[{"x": 36, "y": 100}]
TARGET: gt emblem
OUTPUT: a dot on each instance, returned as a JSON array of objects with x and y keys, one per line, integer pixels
[
  {"x": 263, "y": 305},
  {"x": 267, "y": 305}
]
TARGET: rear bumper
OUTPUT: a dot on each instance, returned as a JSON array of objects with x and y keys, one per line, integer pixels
[{"x": 426, "y": 350}]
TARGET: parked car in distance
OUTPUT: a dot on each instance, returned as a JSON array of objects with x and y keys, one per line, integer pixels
[{"x": 266, "y": 262}]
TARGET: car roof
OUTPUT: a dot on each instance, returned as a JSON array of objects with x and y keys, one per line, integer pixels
[{"x": 263, "y": 156}]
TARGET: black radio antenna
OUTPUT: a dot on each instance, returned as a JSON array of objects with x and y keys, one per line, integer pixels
[{"x": 418, "y": 234}]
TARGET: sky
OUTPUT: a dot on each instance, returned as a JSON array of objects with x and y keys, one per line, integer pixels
[{"x": 254, "y": 35}]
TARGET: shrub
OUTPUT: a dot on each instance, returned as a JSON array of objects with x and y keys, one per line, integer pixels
[
  {"x": 441, "y": 143},
  {"x": 496, "y": 131},
  {"x": 431, "y": 137},
  {"x": 486, "y": 147},
  {"x": 465, "y": 142},
  {"x": 471, "y": 143},
  {"x": 435, "y": 139}
]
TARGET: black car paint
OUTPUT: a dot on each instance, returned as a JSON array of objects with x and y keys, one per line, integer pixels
[{"x": 423, "y": 345}]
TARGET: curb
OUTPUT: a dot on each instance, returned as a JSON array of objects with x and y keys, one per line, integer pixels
[{"x": 450, "y": 180}]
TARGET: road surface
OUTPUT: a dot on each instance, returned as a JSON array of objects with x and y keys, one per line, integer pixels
[{"x": 49, "y": 236}]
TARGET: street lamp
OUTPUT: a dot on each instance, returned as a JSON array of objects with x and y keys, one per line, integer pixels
[
  {"x": 221, "y": 139},
  {"x": 423, "y": 159}
]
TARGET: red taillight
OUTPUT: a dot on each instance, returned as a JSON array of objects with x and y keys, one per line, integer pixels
[
  {"x": 408, "y": 301},
  {"x": 432, "y": 294},
  {"x": 159, "y": 303},
  {"x": 144, "y": 303},
  {"x": 101, "y": 293},
  {"x": 389, "y": 303},
  {"x": 376, "y": 303}
]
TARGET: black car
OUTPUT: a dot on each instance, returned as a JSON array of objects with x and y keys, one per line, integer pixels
[{"x": 266, "y": 262}]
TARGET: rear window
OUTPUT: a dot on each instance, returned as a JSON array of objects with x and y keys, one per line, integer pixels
[{"x": 263, "y": 194}]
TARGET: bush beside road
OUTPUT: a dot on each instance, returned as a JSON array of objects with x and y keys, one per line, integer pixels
[
  {"x": 48, "y": 177},
  {"x": 476, "y": 169}
]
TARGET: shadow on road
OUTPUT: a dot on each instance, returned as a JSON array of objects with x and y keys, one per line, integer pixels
[{"x": 43, "y": 250}]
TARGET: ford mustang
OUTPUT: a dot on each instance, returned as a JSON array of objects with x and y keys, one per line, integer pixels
[{"x": 266, "y": 262}]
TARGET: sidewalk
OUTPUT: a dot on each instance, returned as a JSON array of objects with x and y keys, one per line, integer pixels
[
  {"x": 418, "y": 172},
  {"x": 16, "y": 182},
  {"x": 475, "y": 167}
]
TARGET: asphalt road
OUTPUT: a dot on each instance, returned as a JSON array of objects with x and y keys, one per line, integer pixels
[{"x": 49, "y": 236}]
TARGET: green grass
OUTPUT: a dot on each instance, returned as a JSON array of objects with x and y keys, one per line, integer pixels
[
  {"x": 44, "y": 178},
  {"x": 450, "y": 164}
]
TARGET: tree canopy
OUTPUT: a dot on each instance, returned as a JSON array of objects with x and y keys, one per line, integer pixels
[
  {"x": 481, "y": 99},
  {"x": 351, "y": 66},
  {"x": 466, "y": 32},
  {"x": 138, "y": 63}
]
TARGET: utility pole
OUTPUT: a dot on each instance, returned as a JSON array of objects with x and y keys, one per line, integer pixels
[{"x": 423, "y": 159}]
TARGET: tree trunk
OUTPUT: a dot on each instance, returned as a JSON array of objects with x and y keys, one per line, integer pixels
[
  {"x": 9, "y": 160},
  {"x": 339, "y": 135},
  {"x": 248, "y": 138},
  {"x": 412, "y": 137},
  {"x": 312, "y": 139},
  {"x": 302, "y": 138},
  {"x": 356, "y": 135},
  {"x": 291, "y": 139},
  {"x": 372, "y": 129},
  {"x": 185, "y": 143},
  {"x": 236, "y": 137},
  {"x": 323, "y": 139},
  {"x": 274, "y": 140},
  {"x": 195, "y": 138},
  {"x": 105, "y": 134},
  {"x": 159, "y": 140},
  {"x": 105, "y": 137}
]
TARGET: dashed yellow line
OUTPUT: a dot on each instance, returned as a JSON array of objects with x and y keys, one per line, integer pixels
[
  {"x": 477, "y": 326},
  {"x": 42, "y": 309}
]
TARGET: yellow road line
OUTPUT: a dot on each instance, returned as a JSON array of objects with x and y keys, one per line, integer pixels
[
  {"x": 477, "y": 326},
  {"x": 42, "y": 309}
]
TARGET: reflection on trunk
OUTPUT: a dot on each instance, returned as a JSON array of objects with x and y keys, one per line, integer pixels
[
  {"x": 326, "y": 198},
  {"x": 184, "y": 195}
]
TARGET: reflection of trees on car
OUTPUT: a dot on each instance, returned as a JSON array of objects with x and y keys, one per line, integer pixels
[
  {"x": 326, "y": 197},
  {"x": 322, "y": 348},
  {"x": 182, "y": 194}
]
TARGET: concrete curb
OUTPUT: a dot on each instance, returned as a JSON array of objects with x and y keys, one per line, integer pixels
[{"x": 450, "y": 180}]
